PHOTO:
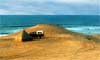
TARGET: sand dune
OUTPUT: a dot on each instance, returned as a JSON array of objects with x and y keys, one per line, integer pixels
[{"x": 58, "y": 44}]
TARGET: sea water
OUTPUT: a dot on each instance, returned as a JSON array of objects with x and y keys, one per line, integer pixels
[
  {"x": 89, "y": 30},
  {"x": 87, "y": 24}
]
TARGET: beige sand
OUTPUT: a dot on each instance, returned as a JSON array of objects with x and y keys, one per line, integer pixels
[{"x": 58, "y": 44}]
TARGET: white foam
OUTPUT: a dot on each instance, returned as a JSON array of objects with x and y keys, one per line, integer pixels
[
  {"x": 7, "y": 32},
  {"x": 3, "y": 35},
  {"x": 86, "y": 29},
  {"x": 16, "y": 30}
]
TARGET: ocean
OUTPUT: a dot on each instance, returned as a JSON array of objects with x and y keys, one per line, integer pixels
[{"x": 87, "y": 24}]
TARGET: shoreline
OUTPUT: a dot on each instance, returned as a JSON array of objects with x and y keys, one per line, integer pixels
[{"x": 58, "y": 44}]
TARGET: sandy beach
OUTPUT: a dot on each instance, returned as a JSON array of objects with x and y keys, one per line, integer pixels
[{"x": 57, "y": 44}]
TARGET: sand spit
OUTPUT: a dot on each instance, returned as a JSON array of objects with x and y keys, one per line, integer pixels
[{"x": 57, "y": 44}]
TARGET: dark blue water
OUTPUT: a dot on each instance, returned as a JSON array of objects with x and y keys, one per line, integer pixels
[{"x": 80, "y": 23}]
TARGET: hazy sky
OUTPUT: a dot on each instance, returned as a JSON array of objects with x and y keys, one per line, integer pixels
[{"x": 49, "y": 7}]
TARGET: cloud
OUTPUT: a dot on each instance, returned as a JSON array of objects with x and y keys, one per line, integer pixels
[
  {"x": 60, "y": 1},
  {"x": 49, "y": 7},
  {"x": 2, "y": 11}
]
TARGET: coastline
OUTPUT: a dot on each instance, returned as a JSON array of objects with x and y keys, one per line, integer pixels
[{"x": 58, "y": 43}]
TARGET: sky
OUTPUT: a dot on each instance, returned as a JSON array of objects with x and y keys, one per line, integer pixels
[{"x": 49, "y": 7}]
